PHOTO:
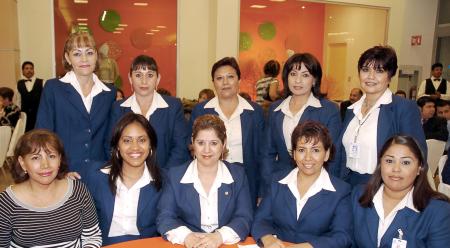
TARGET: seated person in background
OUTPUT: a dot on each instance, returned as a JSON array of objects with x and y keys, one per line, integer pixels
[
  {"x": 434, "y": 127},
  {"x": 164, "y": 92},
  {"x": 9, "y": 112},
  {"x": 206, "y": 203},
  {"x": 44, "y": 208},
  {"x": 401, "y": 93},
  {"x": 443, "y": 111},
  {"x": 355, "y": 95},
  {"x": 398, "y": 208},
  {"x": 267, "y": 87},
  {"x": 126, "y": 191},
  {"x": 119, "y": 94},
  {"x": 246, "y": 96},
  {"x": 306, "y": 205},
  {"x": 205, "y": 95},
  {"x": 435, "y": 86}
]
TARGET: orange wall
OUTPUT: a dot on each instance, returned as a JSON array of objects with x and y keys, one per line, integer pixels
[{"x": 298, "y": 29}]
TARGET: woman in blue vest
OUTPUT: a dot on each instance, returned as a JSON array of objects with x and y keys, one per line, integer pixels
[
  {"x": 127, "y": 189},
  {"x": 376, "y": 117},
  {"x": 77, "y": 106},
  {"x": 397, "y": 207},
  {"x": 244, "y": 120},
  {"x": 165, "y": 113},
  {"x": 306, "y": 205},
  {"x": 206, "y": 203},
  {"x": 302, "y": 76}
]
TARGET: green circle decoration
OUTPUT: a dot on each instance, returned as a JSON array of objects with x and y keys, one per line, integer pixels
[
  {"x": 267, "y": 30},
  {"x": 109, "y": 20},
  {"x": 245, "y": 41},
  {"x": 118, "y": 82}
]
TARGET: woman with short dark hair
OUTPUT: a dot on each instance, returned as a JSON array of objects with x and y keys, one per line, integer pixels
[
  {"x": 398, "y": 207},
  {"x": 376, "y": 117}
]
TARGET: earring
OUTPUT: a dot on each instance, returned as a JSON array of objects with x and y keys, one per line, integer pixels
[
  {"x": 117, "y": 154},
  {"x": 25, "y": 172}
]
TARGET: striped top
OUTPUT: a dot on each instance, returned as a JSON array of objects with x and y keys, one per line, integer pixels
[{"x": 72, "y": 222}]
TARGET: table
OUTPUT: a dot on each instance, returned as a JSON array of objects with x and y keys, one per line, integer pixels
[{"x": 161, "y": 243}]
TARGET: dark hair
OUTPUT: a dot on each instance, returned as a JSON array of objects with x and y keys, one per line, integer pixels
[
  {"x": 442, "y": 103},
  {"x": 438, "y": 64},
  {"x": 163, "y": 91},
  {"x": 27, "y": 63},
  {"x": 422, "y": 193},
  {"x": 381, "y": 57},
  {"x": 7, "y": 93},
  {"x": 313, "y": 66},
  {"x": 359, "y": 91},
  {"x": 208, "y": 92},
  {"x": 116, "y": 161},
  {"x": 245, "y": 95},
  {"x": 77, "y": 40},
  {"x": 120, "y": 91},
  {"x": 213, "y": 122},
  {"x": 272, "y": 68},
  {"x": 144, "y": 62},
  {"x": 227, "y": 61},
  {"x": 424, "y": 100},
  {"x": 315, "y": 132},
  {"x": 400, "y": 92},
  {"x": 31, "y": 143}
]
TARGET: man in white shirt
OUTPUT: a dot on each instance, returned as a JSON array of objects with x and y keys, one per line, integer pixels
[
  {"x": 436, "y": 86},
  {"x": 30, "y": 89}
]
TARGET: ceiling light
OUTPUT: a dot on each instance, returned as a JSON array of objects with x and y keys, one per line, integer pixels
[
  {"x": 104, "y": 15},
  {"x": 161, "y": 26},
  {"x": 278, "y": 1},
  {"x": 303, "y": 7},
  {"x": 140, "y": 4},
  {"x": 149, "y": 33},
  {"x": 82, "y": 19},
  {"x": 123, "y": 25},
  {"x": 154, "y": 30},
  {"x": 117, "y": 32},
  {"x": 117, "y": 29},
  {"x": 82, "y": 24},
  {"x": 257, "y": 6},
  {"x": 80, "y": 1}
]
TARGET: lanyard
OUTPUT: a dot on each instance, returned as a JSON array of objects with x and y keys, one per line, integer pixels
[{"x": 360, "y": 124}]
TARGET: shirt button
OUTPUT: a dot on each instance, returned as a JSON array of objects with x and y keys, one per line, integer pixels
[
  {"x": 86, "y": 160},
  {"x": 86, "y": 145},
  {"x": 88, "y": 130}
]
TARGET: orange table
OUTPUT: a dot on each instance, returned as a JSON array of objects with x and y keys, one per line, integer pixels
[{"x": 161, "y": 243}]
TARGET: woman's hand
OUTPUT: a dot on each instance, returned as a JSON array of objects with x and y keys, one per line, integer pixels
[
  {"x": 73, "y": 175},
  {"x": 269, "y": 241},
  {"x": 210, "y": 240},
  {"x": 301, "y": 245},
  {"x": 192, "y": 240}
]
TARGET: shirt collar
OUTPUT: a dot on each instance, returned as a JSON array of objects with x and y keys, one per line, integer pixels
[
  {"x": 322, "y": 182},
  {"x": 71, "y": 78},
  {"x": 242, "y": 104},
  {"x": 433, "y": 78},
  {"x": 191, "y": 174},
  {"x": 312, "y": 101},
  {"x": 386, "y": 98},
  {"x": 145, "y": 179},
  {"x": 157, "y": 102},
  {"x": 32, "y": 79},
  {"x": 407, "y": 201}
]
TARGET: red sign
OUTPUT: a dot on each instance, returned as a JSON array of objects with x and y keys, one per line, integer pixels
[{"x": 416, "y": 40}]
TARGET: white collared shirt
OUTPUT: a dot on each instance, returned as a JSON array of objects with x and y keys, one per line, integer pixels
[
  {"x": 322, "y": 182},
  {"x": 29, "y": 83},
  {"x": 157, "y": 102},
  {"x": 290, "y": 120},
  {"x": 233, "y": 126},
  {"x": 97, "y": 88},
  {"x": 384, "y": 223},
  {"x": 422, "y": 87},
  {"x": 365, "y": 129},
  {"x": 124, "y": 220},
  {"x": 209, "y": 208}
]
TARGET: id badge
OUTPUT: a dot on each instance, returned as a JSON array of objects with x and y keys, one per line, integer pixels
[
  {"x": 398, "y": 243},
  {"x": 354, "y": 150}
]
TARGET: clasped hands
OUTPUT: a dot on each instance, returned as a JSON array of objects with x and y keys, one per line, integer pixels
[{"x": 203, "y": 240}]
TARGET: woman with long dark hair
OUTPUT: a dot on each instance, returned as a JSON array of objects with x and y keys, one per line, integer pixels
[
  {"x": 127, "y": 189},
  {"x": 398, "y": 206}
]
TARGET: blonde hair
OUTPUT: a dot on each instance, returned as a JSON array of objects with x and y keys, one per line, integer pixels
[{"x": 77, "y": 40}]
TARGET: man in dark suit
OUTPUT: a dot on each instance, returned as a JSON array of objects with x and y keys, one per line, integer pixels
[
  {"x": 355, "y": 95},
  {"x": 435, "y": 86},
  {"x": 434, "y": 127},
  {"x": 30, "y": 89}
]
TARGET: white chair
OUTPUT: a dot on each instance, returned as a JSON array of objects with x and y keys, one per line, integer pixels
[
  {"x": 19, "y": 130},
  {"x": 5, "y": 137},
  {"x": 443, "y": 188},
  {"x": 435, "y": 151}
]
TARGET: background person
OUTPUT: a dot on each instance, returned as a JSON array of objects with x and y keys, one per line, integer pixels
[
  {"x": 43, "y": 208},
  {"x": 435, "y": 86},
  {"x": 355, "y": 95},
  {"x": 267, "y": 87},
  {"x": 30, "y": 90},
  {"x": 206, "y": 203},
  {"x": 127, "y": 189},
  {"x": 77, "y": 106},
  {"x": 376, "y": 117},
  {"x": 398, "y": 207},
  {"x": 9, "y": 112},
  {"x": 433, "y": 126}
]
